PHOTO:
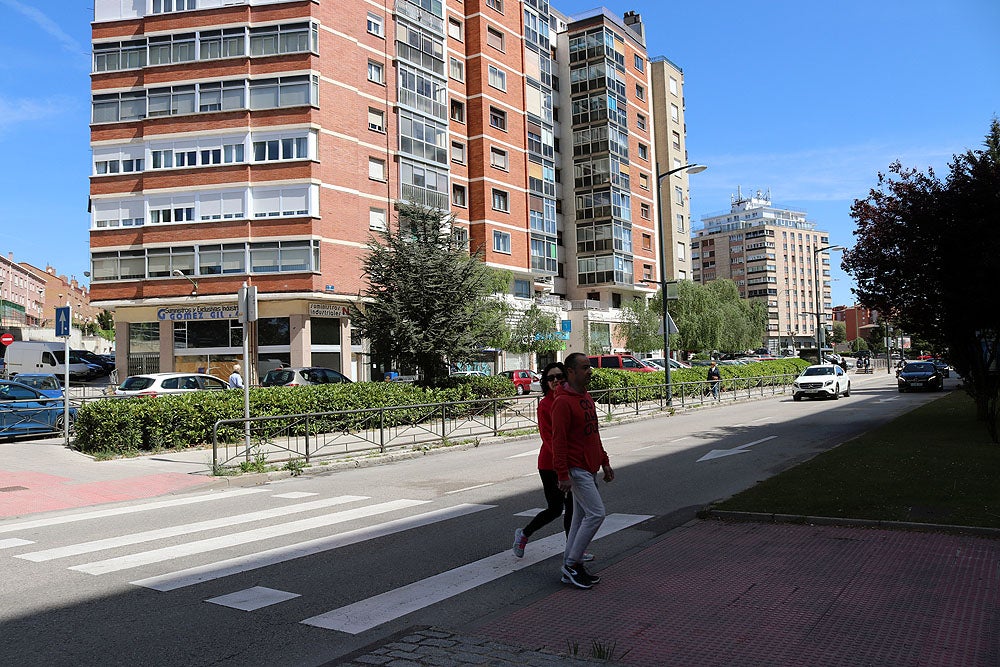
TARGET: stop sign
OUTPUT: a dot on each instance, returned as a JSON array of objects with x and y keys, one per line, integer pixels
[{"x": 7, "y": 338}]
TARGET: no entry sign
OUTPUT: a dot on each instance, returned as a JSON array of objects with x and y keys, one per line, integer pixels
[{"x": 7, "y": 338}]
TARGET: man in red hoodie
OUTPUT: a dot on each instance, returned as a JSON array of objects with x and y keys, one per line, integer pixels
[{"x": 577, "y": 456}]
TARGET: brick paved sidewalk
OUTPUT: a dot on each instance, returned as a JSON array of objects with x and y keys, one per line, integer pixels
[{"x": 714, "y": 593}]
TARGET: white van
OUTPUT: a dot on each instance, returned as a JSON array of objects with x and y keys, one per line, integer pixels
[{"x": 32, "y": 356}]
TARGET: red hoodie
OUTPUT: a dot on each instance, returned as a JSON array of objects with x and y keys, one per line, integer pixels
[
  {"x": 576, "y": 442},
  {"x": 545, "y": 430}
]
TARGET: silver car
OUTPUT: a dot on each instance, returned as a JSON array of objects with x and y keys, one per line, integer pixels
[
  {"x": 156, "y": 384},
  {"x": 293, "y": 377}
]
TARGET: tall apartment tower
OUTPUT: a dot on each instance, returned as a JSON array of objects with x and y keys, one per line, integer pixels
[
  {"x": 773, "y": 255},
  {"x": 671, "y": 153},
  {"x": 263, "y": 141}
]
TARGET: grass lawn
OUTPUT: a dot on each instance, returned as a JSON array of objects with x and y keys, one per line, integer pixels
[{"x": 932, "y": 465}]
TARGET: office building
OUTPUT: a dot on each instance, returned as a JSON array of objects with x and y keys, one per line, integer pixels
[
  {"x": 264, "y": 141},
  {"x": 773, "y": 255}
]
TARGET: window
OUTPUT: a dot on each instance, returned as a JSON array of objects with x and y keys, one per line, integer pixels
[
  {"x": 644, "y": 211},
  {"x": 164, "y": 6},
  {"x": 376, "y": 120},
  {"x": 676, "y": 140},
  {"x": 501, "y": 241},
  {"x": 647, "y": 242},
  {"x": 280, "y": 148},
  {"x": 643, "y": 151},
  {"x": 287, "y": 91},
  {"x": 456, "y": 69},
  {"x": 640, "y": 64},
  {"x": 494, "y": 38},
  {"x": 497, "y": 78},
  {"x": 375, "y": 26},
  {"x": 495, "y": 4},
  {"x": 457, "y": 111},
  {"x": 292, "y": 38},
  {"x": 640, "y": 121},
  {"x": 455, "y": 29},
  {"x": 681, "y": 251},
  {"x": 673, "y": 85},
  {"x": 680, "y": 222},
  {"x": 675, "y": 113},
  {"x": 522, "y": 289},
  {"x": 376, "y": 72},
  {"x": 640, "y": 92},
  {"x": 501, "y": 200},
  {"x": 678, "y": 196},
  {"x": 458, "y": 152},
  {"x": 644, "y": 181},
  {"x": 376, "y": 219},
  {"x": 498, "y": 119},
  {"x": 227, "y": 43},
  {"x": 274, "y": 202},
  {"x": 376, "y": 169},
  {"x": 498, "y": 158},
  {"x": 458, "y": 196}
]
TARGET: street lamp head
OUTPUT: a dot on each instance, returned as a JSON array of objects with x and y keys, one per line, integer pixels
[{"x": 689, "y": 168}]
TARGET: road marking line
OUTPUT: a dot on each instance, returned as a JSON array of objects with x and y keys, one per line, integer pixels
[
  {"x": 13, "y": 542},
  {"x": 224, "y": 541},
  {"x": 686, "y": 437},
  {"x": 253, "y": 599},
  {"x": 533, "y": 452},
  {"x": 294, "y": 495},
  {"x": 116, "y": 511},
  {"x": 761, "y": 419},
  {"x": 468, "y": 488},
  {"x": 366, "y": 614},
  {"x": 184, "y": 529},
  {"x": 196, "y": 575},
  {"x": 659, "y": 444}
]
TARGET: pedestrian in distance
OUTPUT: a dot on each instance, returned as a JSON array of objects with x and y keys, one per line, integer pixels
[
  {"x": 578, "y": 455},
  {"x": 557, "y": 502},
  {"x": 715, "y": 377},
  {"x": 235, "y": 379}
]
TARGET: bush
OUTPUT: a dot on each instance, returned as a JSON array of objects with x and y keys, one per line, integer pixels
[{"x": 132, "y": 425}]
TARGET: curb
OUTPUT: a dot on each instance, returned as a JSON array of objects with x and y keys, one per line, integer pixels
[{"x": 764, "y": 517}]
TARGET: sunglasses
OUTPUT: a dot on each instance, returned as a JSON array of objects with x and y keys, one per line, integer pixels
[{"x": 550, "y": 378}]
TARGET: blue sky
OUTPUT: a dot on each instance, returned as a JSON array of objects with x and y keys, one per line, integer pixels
[{"x": 810, "y": 99}]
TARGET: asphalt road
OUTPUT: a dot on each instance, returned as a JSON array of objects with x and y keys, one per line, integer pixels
[{"x": 335, "y": 562}]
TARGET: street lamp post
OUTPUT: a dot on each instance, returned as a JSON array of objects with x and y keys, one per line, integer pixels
[
  {"x": 691, "y": 169},
  {"x": 820, "y": 311}
]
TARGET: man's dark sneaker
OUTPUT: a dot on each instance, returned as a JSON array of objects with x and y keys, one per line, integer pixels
[
  {"x": 592, "y": 578},
  {"x": 572, "y": 574}
]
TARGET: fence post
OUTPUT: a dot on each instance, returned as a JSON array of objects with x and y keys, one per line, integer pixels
[
  {"x": 444, "y": 420},
  {"x": 496, "y": 416},
  {"x": 381, "y": 430},
  {"x": 307, "y": 438},
  {"x": 215, "y": 447}
]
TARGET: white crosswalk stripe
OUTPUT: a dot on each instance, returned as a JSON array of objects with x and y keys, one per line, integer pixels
[
  {"x": 235, "y": 539},
  {"x": 366, "y": 614},
  {"x": 225, "y": 568},
  {"x": 186, "y": 529}
]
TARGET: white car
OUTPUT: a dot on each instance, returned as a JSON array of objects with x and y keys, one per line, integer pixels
[
  {"x": 823, "y": 380},
  {"x": 156, "y": 384}
]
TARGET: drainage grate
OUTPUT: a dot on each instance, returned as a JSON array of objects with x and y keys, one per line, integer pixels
[{"x": 13, "y": 488}]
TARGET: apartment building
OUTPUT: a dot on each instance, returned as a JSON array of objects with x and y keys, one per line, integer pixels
[
  {"x": 263, "y": 141},
  {"x": 22, "y": 296},
  {"x": 773, "y": 255},
  {"x": 858, "y": 321}
]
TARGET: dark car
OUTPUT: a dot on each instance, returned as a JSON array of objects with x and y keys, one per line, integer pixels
[
  {"x": 942, "y": 366},
  {"x": 919, "y": 375},
  {"x": 293, "y": 377},
  {"x": 95, "y": 359},
  {"x": 25, "y": 411}
]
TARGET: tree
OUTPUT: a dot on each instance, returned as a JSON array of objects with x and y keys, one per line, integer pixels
[
  {"x": 839, "y": 333},
  {"x": 531, "y": 331},
  {"x": 714, "y": 317},
  {"x": 428, "y": 301},
  {"x": 858, "y": 344},
  {"x": 926, "y": 250},
  {"x": 641, "y": 323}
]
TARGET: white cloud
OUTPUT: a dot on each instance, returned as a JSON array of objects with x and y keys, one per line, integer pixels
[
  {"x": 20, "y": 111},
  {"x": 47, "y": 25}
]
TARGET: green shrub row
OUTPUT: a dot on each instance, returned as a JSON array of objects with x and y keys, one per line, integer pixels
[
  {"x": 619, "y": 386},
  {"x": 132, "y": 425}
]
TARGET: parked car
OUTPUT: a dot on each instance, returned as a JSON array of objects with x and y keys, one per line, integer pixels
[
  {"x": 24, "y": 410},
  {"x": 919, "y": 375},
  {"x": 521, "y": 379},
  {"x": 156, "y": 384},
  {"x": 624, "y": 362},
  {"x": 536, "y": 382},
  {"x": 821, "y": 380},
  {"x": 95, "y": 360},
  {"x": 28, "y": 356},
  {"x": 294, "y": 377},
  {"x": 45, "y": 383},
  {"x": 478, "y": 374}
]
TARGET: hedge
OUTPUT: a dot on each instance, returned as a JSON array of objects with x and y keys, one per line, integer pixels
[{"x": 133, "y": 425}]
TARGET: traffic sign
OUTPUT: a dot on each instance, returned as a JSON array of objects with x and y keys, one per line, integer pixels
[
  {"x": 7, "y": 338},
  {"x": 62, "y": 321}
]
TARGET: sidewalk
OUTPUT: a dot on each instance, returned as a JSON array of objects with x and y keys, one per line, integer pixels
[{"x": 713, "y": 593}]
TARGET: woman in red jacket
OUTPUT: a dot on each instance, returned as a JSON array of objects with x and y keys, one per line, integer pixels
[{"x": 552, "y": 379}]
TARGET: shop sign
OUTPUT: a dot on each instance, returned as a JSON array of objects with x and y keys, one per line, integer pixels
[
  {"x": 207, "y": 312},
  {"x": 328, "y": 310}
]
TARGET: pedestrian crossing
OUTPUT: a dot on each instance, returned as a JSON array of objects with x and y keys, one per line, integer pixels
[{"x": 172, "y": 548}]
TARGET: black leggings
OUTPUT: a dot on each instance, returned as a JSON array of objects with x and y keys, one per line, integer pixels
[{"x": 557, "y": 503}]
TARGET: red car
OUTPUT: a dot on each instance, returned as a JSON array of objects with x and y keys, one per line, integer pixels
[{"x": 521, "y": 379}]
